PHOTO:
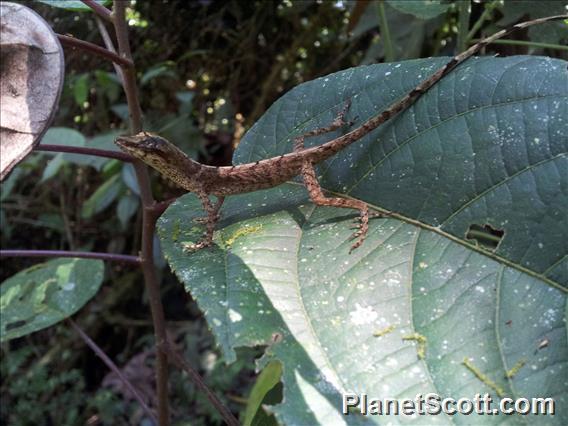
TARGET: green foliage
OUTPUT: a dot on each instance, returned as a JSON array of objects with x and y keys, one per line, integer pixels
[
  {"x": 217, "y": 59},
  {"x": 423, "y": 9},
  {"x": 73, "y": 5},
  {"x": 47, "y": 293},
  {"x": 260, "y": 394},
  {"x": 484, "y": 146}
]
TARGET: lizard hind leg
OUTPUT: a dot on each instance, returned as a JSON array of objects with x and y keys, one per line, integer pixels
[{"x": 317, "y": 197}]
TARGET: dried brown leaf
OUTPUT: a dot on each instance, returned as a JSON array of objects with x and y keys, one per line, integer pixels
[{"x": 31, "y": 78}]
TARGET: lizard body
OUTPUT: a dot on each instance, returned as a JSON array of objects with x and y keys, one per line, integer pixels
[{"x": 229, "y": 180}]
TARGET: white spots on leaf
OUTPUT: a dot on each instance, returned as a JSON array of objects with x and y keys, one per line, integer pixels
[
  {"x": 234, "y": 316},
  {"x": 68, "y": 286},
  {"x": 363, "y": 315}
]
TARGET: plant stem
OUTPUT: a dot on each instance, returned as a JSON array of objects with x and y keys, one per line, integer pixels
[
  {"x": 148, "y": 220},
  {"x": 385, "y": 32},
  {"x": 110, "y": 46},
  {"x": 464, "y": 8},
  {"x": 87, "y": 151},
  {"x": 182, "y": 364},
  {"x": 112, "y": 366},
  {"x": 124, "y": 258},
  {"x": 99, "y": 9},
  {"x": 487, "y": 12},
  {"x": 76, "y": 43},
  {"x": 526, "y": 43}
]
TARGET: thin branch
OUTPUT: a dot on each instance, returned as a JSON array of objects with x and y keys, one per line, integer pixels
[
  {"x": 160, "y": 207},
  {"x": 110, "y": 46},
  {"x": 87, "y": 151},
  {"x": 148, "y": 219},
  {"x": 385, "y": 32},
  {"x": 464, "y": 8},
  {"x": 182, "y": 364},
  {"x": 112, "y": 366},
  {"x": 99, "y": 9},
  {"x": 486, "y": 15},
  {"x": 123, "y": 258},
  {"x": 76, "y": 43},
  {"x": 526, "y": 43},
  {"x": 130, "y": 87}
]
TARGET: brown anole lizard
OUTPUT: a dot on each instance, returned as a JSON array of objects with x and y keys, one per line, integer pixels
[{"x": 205, "y": 180}]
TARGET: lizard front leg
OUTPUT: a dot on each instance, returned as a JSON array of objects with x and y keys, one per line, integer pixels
[{"x": 210, "y": 221}]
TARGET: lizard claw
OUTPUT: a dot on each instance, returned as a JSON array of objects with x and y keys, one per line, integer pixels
[
  {"x": 187, "y": 247},
  {"x": 204, "y": 219}
]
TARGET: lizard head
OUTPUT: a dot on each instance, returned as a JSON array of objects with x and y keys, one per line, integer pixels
[{"x": 150, "y": 148}]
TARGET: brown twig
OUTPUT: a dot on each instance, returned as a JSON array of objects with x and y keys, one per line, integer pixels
[
  {"x": 76, "y": 43},
  {"x": 124, "y": 258},
  {"x": 182, "y": 364},
  {"x": 112, "y": 366},
  {"x": 148, "y": 219},
  {"x": 87, "y": 151},
  {"x": 99, "y": 9},
  {"x": 110, "y": 46}
]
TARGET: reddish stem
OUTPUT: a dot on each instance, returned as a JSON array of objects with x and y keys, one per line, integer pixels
[
  {"x": 99, "y": 9},
  {"x": 112, "y": 366},
  {"x": 148, "y": 219},
  {"x": 123, "y": 258},
  {"x": 76, "y": 43},
  {"x": 86, "y": 151}
]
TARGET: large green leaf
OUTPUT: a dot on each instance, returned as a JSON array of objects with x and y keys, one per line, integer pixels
[
  {"x": 47, "y": 293},
  {"x": 399, "y": 315},
  {"x": 73, "y": 5}
]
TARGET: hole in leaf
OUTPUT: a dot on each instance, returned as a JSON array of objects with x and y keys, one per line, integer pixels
[
  {"x": 15, "y": 324},
  {"x": 485, "y": 235}
]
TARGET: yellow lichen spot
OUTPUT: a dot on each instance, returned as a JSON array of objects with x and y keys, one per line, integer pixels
[
  {"x": 34, "y": 267},
  {"x": 384, "y": 331},
  {"x": 176, "y": 230},
  {"x": 482, "y": 377},
  {"x": 420, "y": 340},
  {"x": 513, "y": 371},
  {"x": 245, "y": 230}
]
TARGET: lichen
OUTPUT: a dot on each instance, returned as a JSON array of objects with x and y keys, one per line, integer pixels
[
  {"x": 482, "y": 377},
  {"x": 384, "y": 331},
  {"x": 420, "y": 340},
  {"x": 241, "y": 232}
]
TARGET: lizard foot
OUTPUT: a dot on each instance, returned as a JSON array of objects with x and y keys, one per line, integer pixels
[
  {"x": 187, "y": 247},
  {"x": 204, "y": 219}
]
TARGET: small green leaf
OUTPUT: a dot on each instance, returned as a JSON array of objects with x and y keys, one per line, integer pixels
[
  {"x": 102, "y": 197},
  {"x": 161, "y": 70},
  {"x": 53, "y": 167},
  {"x": 423, "y": 9},
  {"x": 121, "y": 111},
  {"x": 81, "y": 89},
  {"x": 127, "y": 206},
  {"x": 73, "y": 5},
  {"x": 47, "y": 293},
  {"x": 266, "y": 381},
  {"x": 68, "y": 137},
  {"x": 129, "y": 178}
]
